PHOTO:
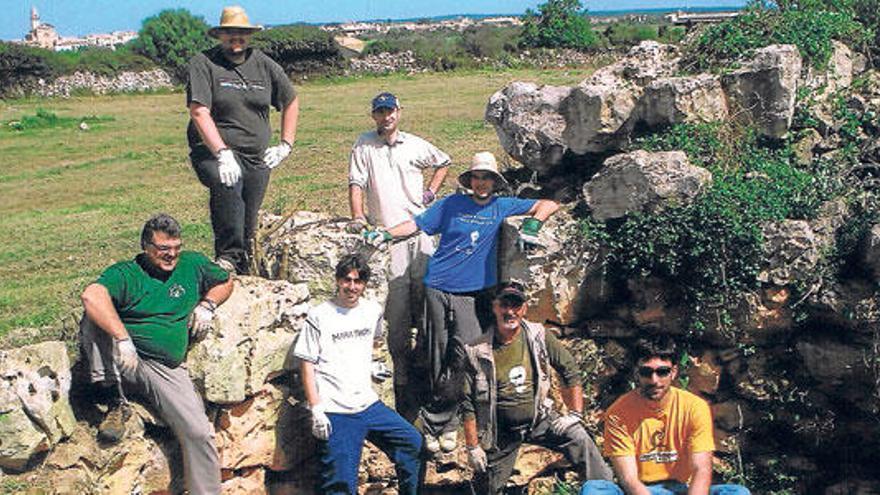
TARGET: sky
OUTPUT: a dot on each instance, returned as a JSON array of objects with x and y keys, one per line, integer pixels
[{"x": 80, "y": 17}]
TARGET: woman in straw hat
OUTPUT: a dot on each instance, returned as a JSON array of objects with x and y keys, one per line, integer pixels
[
  {"x": 461, "y": 275},
  {"x": 229, "y": 91}
]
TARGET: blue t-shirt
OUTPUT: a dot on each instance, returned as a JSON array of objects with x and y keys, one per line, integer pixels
[{"x": 467, "y": 257}]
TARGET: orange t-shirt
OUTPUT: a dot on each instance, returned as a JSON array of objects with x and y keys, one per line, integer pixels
[{"x": 661, "y": 435}]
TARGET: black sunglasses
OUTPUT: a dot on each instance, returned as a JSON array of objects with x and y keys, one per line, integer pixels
[{"x": 647, "y": 371}]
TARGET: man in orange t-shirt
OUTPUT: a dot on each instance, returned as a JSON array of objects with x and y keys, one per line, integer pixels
[{"x": 659, "y": 437}]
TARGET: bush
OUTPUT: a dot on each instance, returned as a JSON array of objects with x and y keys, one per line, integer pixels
[
  {"x": 103, "y": 61},
  {"x": 493, "y": 42},
  {"x": 810, "y": 25},
  {"x": 171, "y": 39},
  {"x": 558, "y": 24},
  {"x": 20, "y": 65},
  {"x": 300, "y": 48},
  {"x": 443, "y": 49},
  {"x": 711, "y": 249}
]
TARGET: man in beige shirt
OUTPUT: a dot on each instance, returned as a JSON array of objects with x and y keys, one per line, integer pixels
[{"x": 385, "y": 172}]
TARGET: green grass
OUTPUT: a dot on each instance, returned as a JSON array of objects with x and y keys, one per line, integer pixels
[{"x": 72, "y": 202}]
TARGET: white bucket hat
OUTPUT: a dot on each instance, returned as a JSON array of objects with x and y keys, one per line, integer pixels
[
  {"x": 483, "y": 161},
  {"x": 233, "y": 17}
]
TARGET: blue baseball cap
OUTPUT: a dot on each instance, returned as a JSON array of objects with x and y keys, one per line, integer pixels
[{"x": 385, "y": 100}]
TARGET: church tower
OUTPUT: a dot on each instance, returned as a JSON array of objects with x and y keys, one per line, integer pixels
[{"x": 35, "y": 18}]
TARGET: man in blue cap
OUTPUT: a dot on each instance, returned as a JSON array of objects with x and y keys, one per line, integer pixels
[{"x": 385, "y": 172}]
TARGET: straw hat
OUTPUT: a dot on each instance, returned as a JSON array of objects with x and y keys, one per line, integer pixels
[
  {"x": 483, "y": 161},
  {"x": 233, "y": 17}
]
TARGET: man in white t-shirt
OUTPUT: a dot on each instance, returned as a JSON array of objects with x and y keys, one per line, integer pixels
[
  {"x": 385, "y": 172},
  {"x": 335, "y": 349}
]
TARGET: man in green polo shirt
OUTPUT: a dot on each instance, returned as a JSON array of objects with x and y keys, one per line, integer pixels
[{"x": 140, "y": 316}]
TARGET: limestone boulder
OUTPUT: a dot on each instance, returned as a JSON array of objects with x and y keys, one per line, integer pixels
[
  {"x": 529, "y": 124},
  {"x": 836, "y": 76},
  {"x": 253, "y": 331},
  {"x": 246, "y": 435},
  {"x": 674, "y": 100},
  {"x": 763, "y": 91},
  {"x": 562, "y": 276},
  {"x": 792, "y": 249},
  {"x": 305, "y": 247},
  {"x": 596, "y": 112},
  {"x": 643, "y": 181},
  {"x": 35, "y": 411},
  {"x": 643, "y": 63},
  {"x": 839, "y": 368}
]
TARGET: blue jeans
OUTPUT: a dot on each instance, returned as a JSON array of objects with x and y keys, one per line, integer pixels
[
  {"x": 601, "y": 487},
  {"x": 341, "y": 454}
]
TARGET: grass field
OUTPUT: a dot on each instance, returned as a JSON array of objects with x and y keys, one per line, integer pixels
[{"x": 72, "y": 202}]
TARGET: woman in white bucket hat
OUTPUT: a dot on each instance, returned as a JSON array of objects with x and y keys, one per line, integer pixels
[
  {"x": 229, "y": 91},
  {"x": 461, "y": 276}
]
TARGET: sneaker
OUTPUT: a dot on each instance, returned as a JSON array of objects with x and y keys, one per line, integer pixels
[
  {"x": 448, "y": 441},
  {"x": 112, "y": 428},
  {"x": 225, "y": 264},
  {"x": 432, "y": 445}
]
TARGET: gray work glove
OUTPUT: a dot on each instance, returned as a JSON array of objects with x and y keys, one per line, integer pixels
[
  {"x": 201, "y": 320},
  {"x": 320, "y": 423},
  {"x": 125, "y": 355},
  {"x": 228, "y": 168},
  {"x": 274, "y": 155},
  {"x": 563, "y": 423},
  {"x": 528, "y": 234},
  {"x": 356, "y": 225},
  {"x": 379, "y": 371},
  {"x": 477, "y": 458}
]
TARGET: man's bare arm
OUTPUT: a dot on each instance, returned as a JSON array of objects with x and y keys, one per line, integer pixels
[
  {"x": 356, "y": 201},
  {"x": 289, "y": 119},
  {"x": 307, "y": 372},
  {"x": 543, "y": 208},
  {"x": 437, "y": 178},
  {"x": 99, "y": 308},
  {"x": 573, "y": 397},
  {"x": 220, "y": 292},
  {"x": 628, "y": 474},
  {"x": 201, "y": 116},
  {"x": 701, "y": 480}
]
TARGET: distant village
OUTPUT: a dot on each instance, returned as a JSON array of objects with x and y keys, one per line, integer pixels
[{"x": 44, "y": 35}]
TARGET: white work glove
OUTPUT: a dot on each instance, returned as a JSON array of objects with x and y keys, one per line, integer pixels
[
  {"x": 380, "y": 372},
  {"x": 274, "y": 155},
  {"x": 562, "y": 423},
  {"x": 125, "y": 355},
  {"x": 477, "y": 458},
  {"x": 201, "y": 320},
  {"x": 320, "y": 423},
  {"x": 228, "y": 168}
]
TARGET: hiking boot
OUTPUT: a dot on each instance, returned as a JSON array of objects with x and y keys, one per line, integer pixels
[
  {"x": 432, "y": 445},
  {"x": 448, "y": 441},
  {"x": 112, "y": 428}
]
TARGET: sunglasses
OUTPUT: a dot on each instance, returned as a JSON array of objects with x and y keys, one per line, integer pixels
[{"x": 661, "y": 371}]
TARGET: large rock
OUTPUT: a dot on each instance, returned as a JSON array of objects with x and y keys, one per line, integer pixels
[
  {"x": 676, "y": 100},
  {"x": 563, "y": 276},
  {"x": 596, "y": 112},
  {"x": 791, "y": 249},
  {"x": 643, "y": 182},
  {"x": 253, "y": 332},
  {"x": 763, "y": 91},
  {"x": 35, "y": 412},
  {"x": 839, "y": 368},
  {"x": 837, "y": 75},
  {"x": 528, "y": 123},
  {"x": 643, "y": 63}
]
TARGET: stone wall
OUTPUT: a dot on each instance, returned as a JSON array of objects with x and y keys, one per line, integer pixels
[{"x": 124, "y": 82}]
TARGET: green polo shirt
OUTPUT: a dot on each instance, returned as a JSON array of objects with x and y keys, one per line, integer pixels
[{"x": 156, "y": 312}]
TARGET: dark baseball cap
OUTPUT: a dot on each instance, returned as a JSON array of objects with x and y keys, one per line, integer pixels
[
  {"x": 385, "y": 100},
  {"x": 512, "y": 292}
]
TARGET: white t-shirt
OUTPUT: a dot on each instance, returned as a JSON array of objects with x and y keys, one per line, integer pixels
[
  {"x": 391, "y": 175},
  {"x": 339, "y": 342}
]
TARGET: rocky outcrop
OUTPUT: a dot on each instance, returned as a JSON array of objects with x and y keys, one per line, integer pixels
[
  {"x": 35, "y": 412},
  {"x": 676, "y": 100},
  {"x": 643, "y": 182},
  {"x": 763, "y": 91}
]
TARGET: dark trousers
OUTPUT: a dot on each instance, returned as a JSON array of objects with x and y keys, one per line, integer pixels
[
  {"x": 575, "y": 443},
  {"x": 453, "y": 320},
  {"x": 233, "y": 209},
  {"x": 341, "y": 453}
]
